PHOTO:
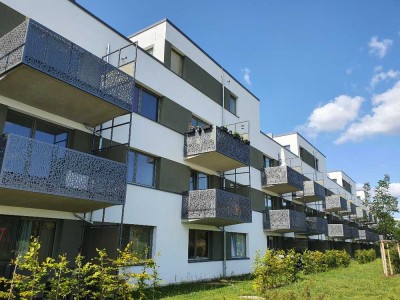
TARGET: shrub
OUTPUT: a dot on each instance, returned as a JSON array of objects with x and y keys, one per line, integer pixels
[
  {"x": 100, "y": 278},
  {"x": 313, "y": 262},
  {"x": 365, "y": 256},
  {"x": 274, "y": 269},
  {"x": 336, "y": 259}
]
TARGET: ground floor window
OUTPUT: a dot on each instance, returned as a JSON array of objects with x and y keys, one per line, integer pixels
[
  {"x": 141, "y": 238},
  {"x": 238, "y": 245},
  {"x": 198, "y": 244}
]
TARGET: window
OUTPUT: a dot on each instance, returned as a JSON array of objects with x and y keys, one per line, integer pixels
[
  {"x": 268, "y": 202},
  {"x": 198, "y": 244},
  {"x": 317, "y": 164},
  {"x": 141, "y": 238},
  {"x": 176, "y": 62},
  {"x": 232, "y": 104},
  {"x": 141, "y": 169},
  {"x": 198, "y": 181},
  {"x": 238, "y": 245},
  {"x": 26, "y": 126},
  {"x": 198, "y": 122},
  {"x": 270, "y": 162},
  {"x": 145, "y": 103}
]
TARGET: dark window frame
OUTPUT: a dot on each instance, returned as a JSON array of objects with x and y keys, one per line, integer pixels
[
  {"x": 245, "y": 244},
  {"x": 134, "y": 169},
  {"x": 195, "y": 177},
  {"x": 235, "y": 100},
  {"x": 196, "y": 233},
  {"x": 137, "y": 107},
  {"x": 125, "y": 241}
]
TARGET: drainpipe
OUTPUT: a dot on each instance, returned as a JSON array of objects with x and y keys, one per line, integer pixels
[
  {"x": 224, "y": 260},
  {"x": 223, "y": 96}
]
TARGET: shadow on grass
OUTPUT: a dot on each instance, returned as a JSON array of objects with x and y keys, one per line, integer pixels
[{"x": 193, "y": 287}]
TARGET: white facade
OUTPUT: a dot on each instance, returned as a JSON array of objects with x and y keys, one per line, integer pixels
[{"x": 151, "y": 206}]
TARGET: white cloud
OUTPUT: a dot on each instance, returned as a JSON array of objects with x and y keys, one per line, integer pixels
[
  {"x": 333, "y": 116},
  {"x": 394, "y": 189},
  {"x": 349, "y": 71},
  {"x": 382, "y": 76},
  {"x": 379, "y": 48},
  {"x": 246, "y": 75},
  {"x": 378, "y": 68},
  {"x": 383, "y": 119}
]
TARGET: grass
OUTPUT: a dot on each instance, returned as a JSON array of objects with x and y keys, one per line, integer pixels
[{"x": 355, "y": 282}]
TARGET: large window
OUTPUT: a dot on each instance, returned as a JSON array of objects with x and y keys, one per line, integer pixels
[
  {"x": 198, "y": 244},
  {"x": 270, "y": 162},
  {"x": 232, "y": 104},
  {"x": 141, "y": 168},
  {"x": 26, "y": 126},
  {"x": 176, "y": 62},
  {"x": 238, "y": 245},
  {"x": 145, "y": 103},
  {"x": 141, "y": 238},
  {"x": 198, "y": 181}
]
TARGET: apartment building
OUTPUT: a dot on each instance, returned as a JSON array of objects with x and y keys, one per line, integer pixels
[{"x": 108, "y": 139}]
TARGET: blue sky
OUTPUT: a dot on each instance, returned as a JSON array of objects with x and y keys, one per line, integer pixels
[{"x": 328, "y": 69}]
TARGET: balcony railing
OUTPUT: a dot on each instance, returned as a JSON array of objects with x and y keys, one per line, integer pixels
[
  {"x": 216, "y": 149},
  {"x": 282, "y": 180},
  {"x": 316, "y": 226},
  {"x": 47, "y": 71},
  {"x": 335, "y": 203},
  {"x": 313, "y": 192},
  {"x": 361, "y": 214},
  {"x": 284, "y": 220},
  {"x": 340, "y": 231},
  {"x": 40, "y": 175},
  {"x": 351, "y": 209},
  {"x": 216, "y": 207}
]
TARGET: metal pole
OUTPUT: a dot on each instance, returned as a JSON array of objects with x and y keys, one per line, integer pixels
[
  {"x": 224, "y": 247},
  {"x": 223, "y": 97}
]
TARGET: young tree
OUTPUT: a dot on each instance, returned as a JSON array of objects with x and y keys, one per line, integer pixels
[{"x": 383, "y": 206}]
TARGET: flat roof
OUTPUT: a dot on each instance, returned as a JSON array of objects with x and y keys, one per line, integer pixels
[{"x": 295, "y": 132}]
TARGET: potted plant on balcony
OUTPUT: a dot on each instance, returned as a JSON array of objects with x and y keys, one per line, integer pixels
[
  {"x": 224, "y": 128},
  {"x": 236, "y": 135}
]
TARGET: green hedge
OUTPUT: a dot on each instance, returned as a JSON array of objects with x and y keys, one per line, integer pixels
[
  {"x": 278, "y": 268},
  {"x": 365, "y": 256}
]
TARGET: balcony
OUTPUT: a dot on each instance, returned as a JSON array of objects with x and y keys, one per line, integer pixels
[
  {"x": 215, "y": 207},
  {"x": 282, "y": 180},
  {"x": 284, "y": 220},
  {"x": 216, "y": 149},
  {"x": 335, "y": 203},
  {"x": 355, "y": 234},
  {"x": 339, "y": 231},
  {"x": 43, "y": 69},
  {"x": 362, "y": 235},
  {"x": 361, "y": 214},
  {"x": 351, "y": 209},
  {"x": 40, "y": 175},
  {"x": 316, "y": 226},
  {"x": 313, "y": 192}
]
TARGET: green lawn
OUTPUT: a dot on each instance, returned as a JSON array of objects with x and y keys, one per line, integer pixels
[{"x": 355, "y": 282}]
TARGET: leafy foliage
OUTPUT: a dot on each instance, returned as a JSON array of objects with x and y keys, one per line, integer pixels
[
  {"x": 100, "y": 278},
  {"x": 365, "y": 256}
]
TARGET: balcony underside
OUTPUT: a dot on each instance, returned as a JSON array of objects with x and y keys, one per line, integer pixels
[
  {"x": 37, "y": 89},
  {"x": 215, "y": 161},
  {"x": 30, "y": 199},
  {"x": 281, "y": 188}
]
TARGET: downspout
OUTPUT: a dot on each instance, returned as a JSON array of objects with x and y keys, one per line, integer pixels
[
  {"x": 223, "y": 96},
  {"x": 224, "y": 259}
]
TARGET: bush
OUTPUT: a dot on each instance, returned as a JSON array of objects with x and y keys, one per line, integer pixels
[
  {"x": 365, "y": 256},
  {"x": 274, "y": 269},
  {"x": 336, "y": 259},
  {"x": 313, "y": 262},
  {"x": 100, "y": 278}
]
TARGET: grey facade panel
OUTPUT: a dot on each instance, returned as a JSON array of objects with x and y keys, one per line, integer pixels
[
  {"x": 335, "y": 203},
  {"x": 172, "y": 176},
  {"x": 342, "y": 231},
  {"x": 256, "y": 158},
  {"x": 282, "y": 179},
  {"x": 174, "y": 116},
  {"x": 257, "y": 200}
]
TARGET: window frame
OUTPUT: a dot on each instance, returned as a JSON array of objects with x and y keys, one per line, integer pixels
[
  {"x": 208, "y": 245},
  {"x": 234, "y": 98},
  {"x": 194, "y": 180},
  {"x": 199, "y": 122},
  {"x": 180, "y": 59},
  {"x": 232, "y": 245},
  {"x": 150, "y": 238},
  {"x": 133, "y": 168},
  {"x": 139, "y": 103}
]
